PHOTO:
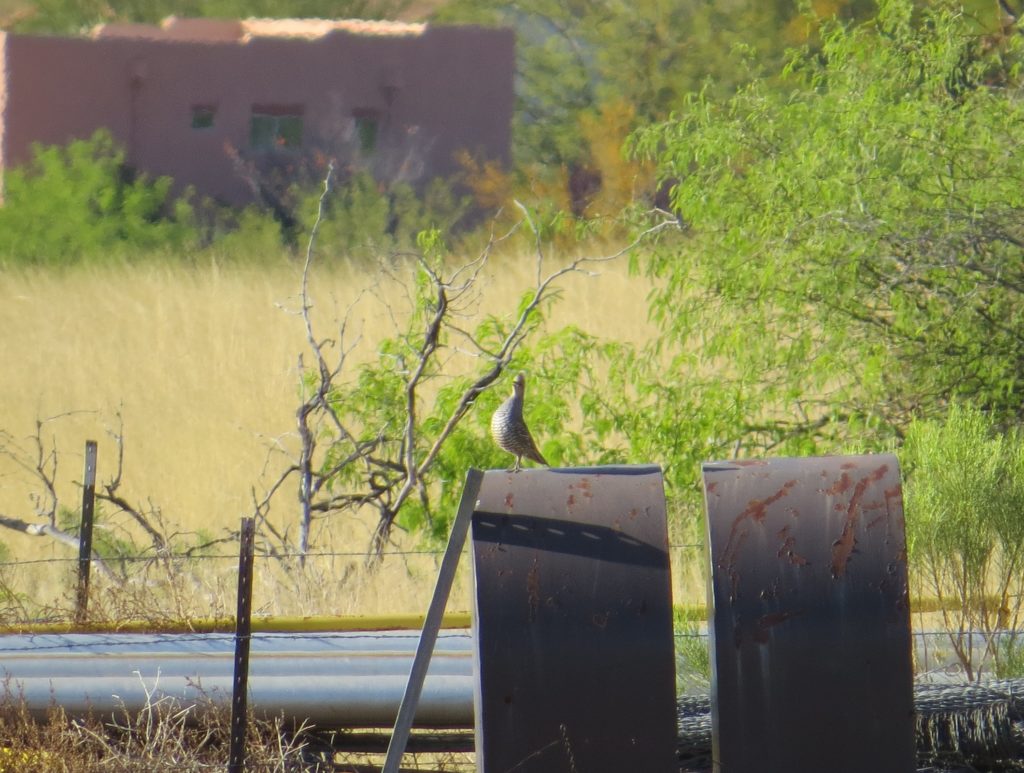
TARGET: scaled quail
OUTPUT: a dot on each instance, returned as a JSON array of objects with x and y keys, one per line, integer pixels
[{"x": 509, "y": 428}]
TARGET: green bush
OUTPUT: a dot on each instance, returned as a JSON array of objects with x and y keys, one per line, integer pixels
[
  {"x": 249, "y": 236},
  {"x": 965, "y": 530},
  {"x": 365, "y": 218},
  {"x": 81, "y": 202},
  {"x": 1009, "y": 659}
]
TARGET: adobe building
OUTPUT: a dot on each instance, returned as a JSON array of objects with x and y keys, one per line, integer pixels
[{"x": 201, "y": 99}]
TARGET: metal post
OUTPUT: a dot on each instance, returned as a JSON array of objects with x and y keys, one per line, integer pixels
[
  {"x": 243, "y": 633},
  {"x": 432, "y": 622},
  {"x": 85, "y": 533}
]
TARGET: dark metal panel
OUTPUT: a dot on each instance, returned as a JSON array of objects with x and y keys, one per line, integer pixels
[
  {"x": 810, "y": 622},
  {"x": 573, "y": 622}
]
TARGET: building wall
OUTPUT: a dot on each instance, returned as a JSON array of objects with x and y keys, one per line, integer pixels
[
  {"x": 431, "y": 94},
  {"x": 3, "y": 105}
]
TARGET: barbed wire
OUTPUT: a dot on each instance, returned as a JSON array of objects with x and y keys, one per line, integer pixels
[
  {"x": 81, "y": 640},
  {"x": 147, "y": 557}
]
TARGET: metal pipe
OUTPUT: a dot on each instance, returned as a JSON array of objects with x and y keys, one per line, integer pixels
[
  {"x": 290, "y": 624},
  {"x": 336, "y": 680},
  {"x": 269, "y": 664},
  {"x": 353, "y": 701},
  {"x": 332, "y": 680}
]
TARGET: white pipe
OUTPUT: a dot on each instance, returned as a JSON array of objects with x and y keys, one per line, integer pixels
[
  {"x": 367, "y": 701},
  {"x": 332, "y": 680}
]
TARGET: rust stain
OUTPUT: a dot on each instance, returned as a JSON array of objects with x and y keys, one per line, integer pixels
[
  {"x": 848, "y": 466},
  {"x": 632, "y": 514},
  {"x": 894, "y": 499},
  {"x": 570, "y": 501},
  {"x": 765, "y": 622},
  {"x": 510, "y": 499},
  {"x": 759, "y": 631},
  {"x": 749, "y": 462},
  {"x": 842, "y": 548},
  {"x": 585, "y": 488},
  {"x": 712, "y": 486},
  {"x": 841, "y": 486},
  {"x": 787, "y": 549},
  {"x": 755, "y": 511},
  {"x": 875, "y": 521}
]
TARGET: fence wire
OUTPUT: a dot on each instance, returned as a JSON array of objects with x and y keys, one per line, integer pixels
[{"x": 277, "y": 556}]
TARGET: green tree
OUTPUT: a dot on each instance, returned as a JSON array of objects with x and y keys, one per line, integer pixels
[
  {"x": 81, "y": 200},
  {"x": 576, "y": 57},
  {"x": 853, "y": 252}
]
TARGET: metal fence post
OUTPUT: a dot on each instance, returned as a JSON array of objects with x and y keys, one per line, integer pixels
[
  {"x": 85, "y": 533},
  {"x": 243, "y": 635}
]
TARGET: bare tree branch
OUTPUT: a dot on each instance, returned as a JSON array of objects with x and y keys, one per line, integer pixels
[
  {"x": 110, "y": 494},
  {"x": 42, "y": 463},
  {"x": 345, "y": 466}
]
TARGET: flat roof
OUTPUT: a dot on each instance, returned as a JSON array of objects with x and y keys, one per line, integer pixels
[{"x": 243, "y": 30}]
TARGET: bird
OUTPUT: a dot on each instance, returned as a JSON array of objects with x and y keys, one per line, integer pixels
[
  {"x": 1009, "y": 15},
  {"x": 509, "y": 430}
]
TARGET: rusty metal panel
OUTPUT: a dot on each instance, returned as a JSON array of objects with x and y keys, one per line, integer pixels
[
  {"x": 810, "y": 622},
  {"x": 572, "y": 626}
]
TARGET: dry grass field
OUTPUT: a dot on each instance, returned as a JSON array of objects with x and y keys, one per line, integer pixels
[{"x": 201, "y": 363}]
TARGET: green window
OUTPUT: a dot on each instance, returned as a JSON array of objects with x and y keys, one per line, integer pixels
[
  {"x": 203, "y": 116},
  {"x": 367, "y": 127},
  {"x": 276, "y": 126}
]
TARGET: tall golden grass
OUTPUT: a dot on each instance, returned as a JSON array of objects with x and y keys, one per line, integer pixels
[{"x": 201, "y": 364}]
